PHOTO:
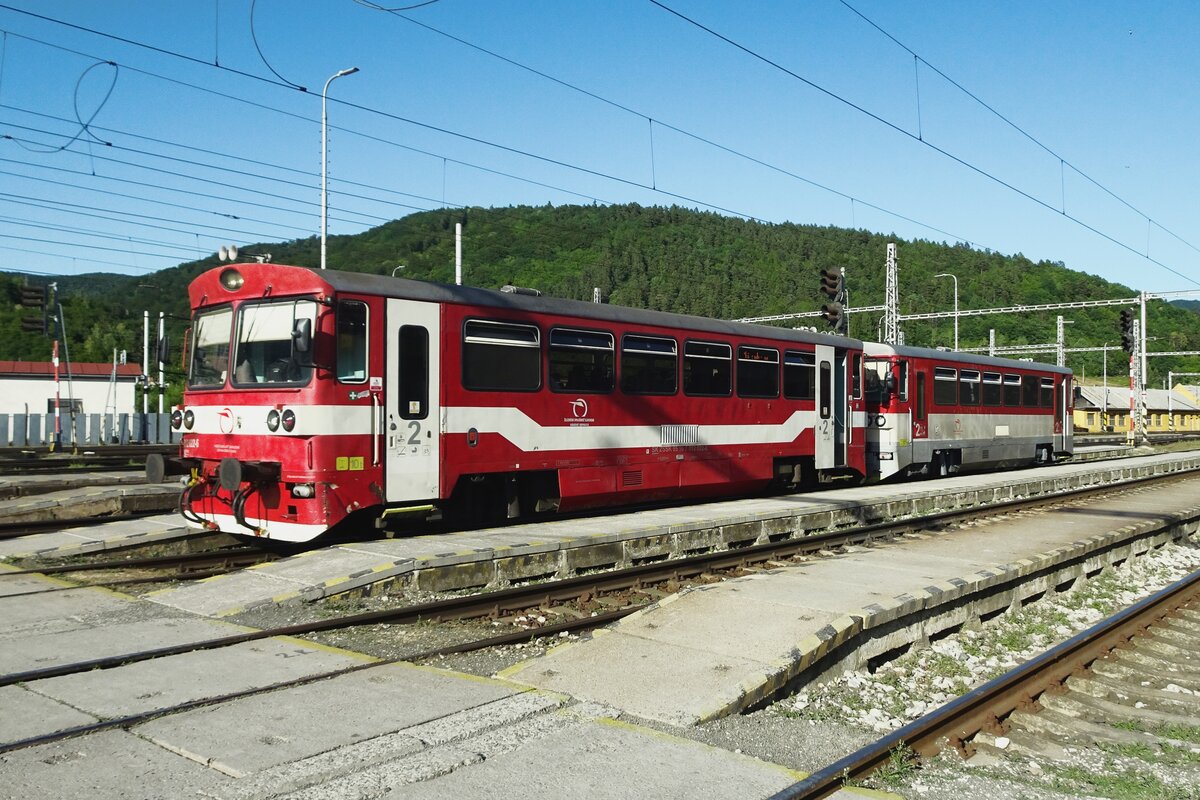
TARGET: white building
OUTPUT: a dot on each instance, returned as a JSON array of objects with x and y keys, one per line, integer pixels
[{"x": 27, "y": 387}]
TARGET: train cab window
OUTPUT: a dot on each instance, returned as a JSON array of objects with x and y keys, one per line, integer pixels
[
  {"x": 992, "y": 389},
  {"x": 413, "y": 381},
  {"x": 501, "y": 357},
  {"x": 968, "y": 388},
  {"x": 209, "y": 364},
  {"x": 352, "y": 341},
  {"x": 581, "y": 361},
  {"x": 799, "y": 375},
  {"x": 649, "y": 365},
  {"x": 707, "y": 369},
  {"x": 1047, "y": 394},
  {"x": 757, "y": 372},
  {"x": 1029, "y": 391},
  {"x": 1012, "y": 390},
  {"x": 265, "y": 353},
  {"x": 945, "y": 386}
]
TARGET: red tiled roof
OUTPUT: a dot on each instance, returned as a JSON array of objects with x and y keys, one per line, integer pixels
[{"x": 78, "y": 370}]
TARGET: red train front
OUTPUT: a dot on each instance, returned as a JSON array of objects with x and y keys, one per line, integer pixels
[{"x": 313, "y": 395}]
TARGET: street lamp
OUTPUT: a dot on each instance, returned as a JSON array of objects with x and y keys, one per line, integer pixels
[
  {"x": 325, "y": 158},
  {"x": 949, "y": 275}
]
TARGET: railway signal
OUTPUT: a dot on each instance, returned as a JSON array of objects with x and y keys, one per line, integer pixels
[
  {"x": 833, "y": 286},
  {"x": 1128, "y": 338},
  {"x": 33, "y": 296}
]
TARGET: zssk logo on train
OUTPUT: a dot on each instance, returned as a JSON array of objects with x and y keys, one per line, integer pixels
[{"x": 226, "y": 420}]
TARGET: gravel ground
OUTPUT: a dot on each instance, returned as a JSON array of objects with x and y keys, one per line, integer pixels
[{"x": 824, "y": 722}]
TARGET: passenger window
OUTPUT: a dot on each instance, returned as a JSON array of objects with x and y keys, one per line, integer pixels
[
  {"x": 1047, "y": 394},
  {"x": 352, "y": 341},
  {"x": 414, "y": 372},
  {"x": 581, "y": 361},
  {"x": 856, "y": 376},
  {"x": 968, "y": 388},
  {"x": 758, "y": 372},
  {"x": 649, "y": 365},
  {"x": 501, "y": 356},
  {"x": 1012, "y": 390},
  {"x": 992, "y": 389},
  {"x": 826, "y": 403},
  {"x": 707, "y": 369},
  {"x": 799, "y": 375},
  {"x": 1029, "y": 391},
  {"x": 945, "y": 386}
]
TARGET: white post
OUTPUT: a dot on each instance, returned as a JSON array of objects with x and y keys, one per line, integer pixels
[
  {"x": 157, "y": 353},
  {"x": 458, "y": 254},
  {"x": 325, "y": 158},
  {"x": 955, "y": 277},
  {"x": 145, "y": 364}
]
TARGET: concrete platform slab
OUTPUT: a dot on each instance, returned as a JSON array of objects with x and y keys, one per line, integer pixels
[
  {"x": 264, "y": 731},
  {"x": 83, "y": 644},
  {"x": 96, "y": 538},
  {"x": 163, "y": 682},
  {"x": 27, "y": 714},
  {"x": 56, "y": 612},
  {"x": 90, "y": 501},
  {"x": 107, "y": 766}
]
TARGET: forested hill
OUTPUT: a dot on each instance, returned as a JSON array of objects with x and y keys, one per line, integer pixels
[{"x": 670, "y": 259}]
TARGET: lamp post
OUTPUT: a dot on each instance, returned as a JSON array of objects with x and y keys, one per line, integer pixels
[
  {"x": 325, "y": 158},
  {"x": 949, "y": 275}
]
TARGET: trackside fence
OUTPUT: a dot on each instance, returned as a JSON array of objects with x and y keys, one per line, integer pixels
[{"x": 79, "y": 430}]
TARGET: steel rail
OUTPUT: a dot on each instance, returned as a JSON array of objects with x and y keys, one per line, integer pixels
[{"x": 985, "y": 707}]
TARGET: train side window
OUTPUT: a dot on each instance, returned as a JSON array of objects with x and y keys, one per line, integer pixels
[
  {"x": 902, "y": 379},
  {"x": 1012, "y": 390},
  {"x": 414, "y": 372},
  {"x": 352, "y": 341},
  {"x": 649, "y": 365},
  {"x": 945, "y": 386},
  {"x": 707, "y": 369},
  {"x": 799, "y": 375},
  {"x": 501, "y": 356},
  {"x": 757, "y": 372},
  {"x": 826, "y": 403},
  {"x": 581, "y": 361},
  {"x": 1047, "y": 393},
  {"x": 856, "y": 376},
  {"x": 921, "y": 396},
  {"x": 968, "y": 388},
  {"x": 992, "y": 389},
  {"x": 1029, "y": 391}
]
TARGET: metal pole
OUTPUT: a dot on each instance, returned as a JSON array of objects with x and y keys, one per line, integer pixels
[
  {"x": 955, "y": 277},
  {"x": 325, "y": 158},
  {"x": 57, "y": 443},
  {"x": 158, "y": 354}
]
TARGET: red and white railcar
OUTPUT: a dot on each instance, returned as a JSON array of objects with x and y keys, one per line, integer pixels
[
  {"x": 937, "y": 412},
  {"x": 313, "y": 395}
]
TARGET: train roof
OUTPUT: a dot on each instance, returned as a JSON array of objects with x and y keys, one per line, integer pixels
[
  {"x": 206, "y": 286},
  {"x": 969, "y": 359}
]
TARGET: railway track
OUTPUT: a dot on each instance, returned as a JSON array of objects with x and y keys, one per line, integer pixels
[
  {"x": 581, "y": 603},
  {"x": 1109, "y": 686}
]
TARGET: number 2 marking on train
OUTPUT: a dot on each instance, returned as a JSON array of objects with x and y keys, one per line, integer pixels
[{"x": 416, "y": 432}]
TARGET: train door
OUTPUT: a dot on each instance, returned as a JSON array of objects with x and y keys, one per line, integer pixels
[
  {"x": 1063, "y": 424},
  {"x": 412, "y": 429},
  {"x": 920, "y": 404},
  {"x": 829, "y": 438}
]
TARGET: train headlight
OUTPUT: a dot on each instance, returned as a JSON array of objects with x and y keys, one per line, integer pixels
[
  {"x": 273, "y": 420},
  {"x": 176, "y": 419},
  {"x": 189, "y": 419},
  {"x": 288, "y": 418},
  {"x": 232, "y": 280},
  {"x": 303, "y": 490}
]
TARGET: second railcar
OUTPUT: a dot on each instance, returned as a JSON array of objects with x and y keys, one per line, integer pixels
[{"x": 938, "y": 412}]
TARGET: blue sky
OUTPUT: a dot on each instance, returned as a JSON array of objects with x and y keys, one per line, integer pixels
[{"x": 183, "y": 156}]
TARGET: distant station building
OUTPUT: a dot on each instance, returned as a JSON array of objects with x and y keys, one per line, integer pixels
[
  {"x": 1100, "y": 409},
  {"x": 27, "y": 387}
]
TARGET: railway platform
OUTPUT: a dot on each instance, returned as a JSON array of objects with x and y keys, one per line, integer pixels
[
  {"x": 422, "y": 732},
  {"x": 566, "y": 547},
  {"x": 96, "y": 537},
  {"x": 43, "y": 498},
  {"x": 724, "y": 648}
]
